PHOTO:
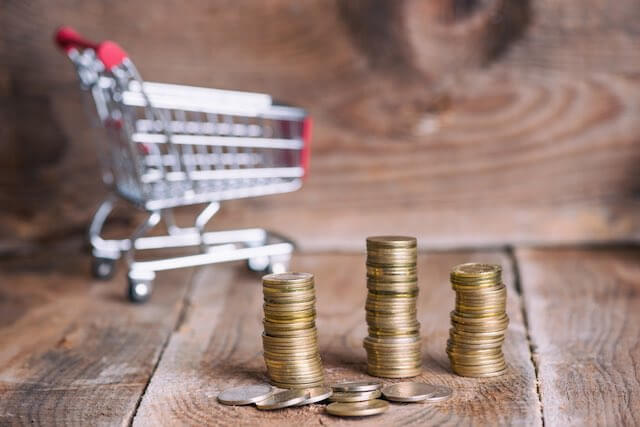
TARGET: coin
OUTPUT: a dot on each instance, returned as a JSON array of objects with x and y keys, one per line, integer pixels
[
  {"x": 358, "y": 409},
  {"x": 245, "y": 395},
  {"x": 412, "y": 392},
  {"x": 287, "y": 279},
  {"x": 283, "y": 399},
  {"x": 357, "y": 386},
  {"x": 317, "y": 394},
  {"x": 354, "y": 396}
]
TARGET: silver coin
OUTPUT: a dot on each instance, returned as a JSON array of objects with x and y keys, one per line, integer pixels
[
  {"x": 357, "y": 386},
  {"x": 317, "y": 394},
  {"x": 245, "y": 395},
  {"x": 414, "y": 392},
  {"x": 358, "y": 409},
  {"x": 440, "y": 394},
  {"x": 283, "y": 399}
]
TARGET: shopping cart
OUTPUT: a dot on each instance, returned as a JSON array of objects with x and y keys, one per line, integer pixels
[{"x": 171, "y": 146}]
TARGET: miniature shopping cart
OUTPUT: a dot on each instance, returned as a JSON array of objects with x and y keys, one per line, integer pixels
[{"x": 171, "y": 146}]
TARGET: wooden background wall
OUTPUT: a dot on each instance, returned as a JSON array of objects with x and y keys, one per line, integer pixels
[{"x": 464, "y": 122}]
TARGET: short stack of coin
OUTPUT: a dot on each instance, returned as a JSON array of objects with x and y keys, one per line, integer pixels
[
  {"x": 290, "y": 336},
  {"x": 356, "y": 399},
  {"x": 479, "y": 321},
  {"x": 393, "y": 345}
]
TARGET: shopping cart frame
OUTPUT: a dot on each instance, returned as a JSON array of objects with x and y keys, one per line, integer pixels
[{"x": 106, "y": 65}]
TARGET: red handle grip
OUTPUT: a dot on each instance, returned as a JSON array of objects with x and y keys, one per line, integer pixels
[
  {"x": 67, "y": 38},
  {"x": 109, "y": 52}
]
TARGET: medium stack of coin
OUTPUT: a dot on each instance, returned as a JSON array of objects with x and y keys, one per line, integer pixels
[
  {"x": 290, "y": 337},
  {"x": 393, "y": 344},
  {"x": 479, "y": 321}
]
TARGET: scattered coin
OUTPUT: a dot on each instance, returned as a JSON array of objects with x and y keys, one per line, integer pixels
[
  {"x": 358, "y": 409},
  {"x": 479, "y": 321},
  {"x": 354, "y": 396},
  {"x": 245, "y": 395},
  {"x": 357, "y": 386},
  {"x": 415, "y": 392},
  {"x": 393, "y": 345},
  {"x": 283, "y": 399},
  {"x": 440, "y": 394},
  {"x": 317, "y": 394}
]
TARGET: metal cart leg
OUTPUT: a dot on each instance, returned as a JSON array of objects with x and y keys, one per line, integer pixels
[
  {"x": 202, "y": 219},
  {"x": 104, "y": 253},
  {"x": 140, "y": 281}
]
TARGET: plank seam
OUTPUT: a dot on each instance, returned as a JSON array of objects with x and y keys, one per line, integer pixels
[
  {"x": 179, "y": 321},
  {"x": 517, "y": 278}
]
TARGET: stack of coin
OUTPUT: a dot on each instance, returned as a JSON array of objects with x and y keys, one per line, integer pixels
[
  {"x": 478, "y": 322},
  {"x": 393, "y": 344},
  {"x": 356, "y": 399},
  {"x": 290, "y": 337}
]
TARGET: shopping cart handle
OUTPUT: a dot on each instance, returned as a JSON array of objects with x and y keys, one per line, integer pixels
[
  {"x": 110, "y": 53},
  {"x": 67, "y": 38}
]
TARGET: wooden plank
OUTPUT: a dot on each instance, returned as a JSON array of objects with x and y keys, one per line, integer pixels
[
  {"x": 218, "y": 346},
  {"x": 421, "y": 133},
  {"x": 583, "y": 310},
  {"x": 74, "y": 351}
]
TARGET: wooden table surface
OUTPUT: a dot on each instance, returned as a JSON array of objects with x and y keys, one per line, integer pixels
[{"x": 74, "y": 351}]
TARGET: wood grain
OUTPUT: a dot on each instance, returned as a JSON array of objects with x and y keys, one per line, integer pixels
[
  {"x": 582, "y": 310},
  {"x": 73, "y": 351},
  {"x": 465, "y": 122},
  {"x": 218, "y": 346}
]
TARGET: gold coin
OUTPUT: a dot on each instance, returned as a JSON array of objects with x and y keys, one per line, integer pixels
[
  {"x": 358, "y": 409},
  {"x": 392, "y": 241},
  {"x": 287, "y": 278},
  {"x": 357, "y": 386},
  {"x": 480, "y": 375},
  {"x": 473, "y": 270},
  {"x": 297, "y": 385},
  {"x": 408, "y": 373},
  {"x": 354, "y": 396}
]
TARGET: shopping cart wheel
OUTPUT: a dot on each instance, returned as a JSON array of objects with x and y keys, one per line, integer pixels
[
  {"x": 140, "y": 285},
  {"x": 278, "y": 265},
  {"x": 103, "y": 268},
  {"x": 259, "y": 264}
]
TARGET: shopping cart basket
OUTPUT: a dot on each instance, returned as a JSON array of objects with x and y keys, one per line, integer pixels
[{"x": 170, "y": 146}]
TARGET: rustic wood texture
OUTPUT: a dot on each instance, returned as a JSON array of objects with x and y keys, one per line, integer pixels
[
  {"x": 467, "y": 122},
  {"x": 218, "y": 345},
  {"x": 73, "y": 351},
  {"x": 584, "y": 320}
]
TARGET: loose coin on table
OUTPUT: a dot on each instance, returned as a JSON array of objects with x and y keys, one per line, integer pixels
[
  {"x": 358, "y": 409},
  {"x": 283, "y": 399},
  {"x": 357, "y": 386},
  {"x": 415, "y": 392},
  {"x": 440, "y": 394},
  {"x": 354, "y": 396},
  {"x": 316, "y": 394},
  {"x": 246, "y": 394}
]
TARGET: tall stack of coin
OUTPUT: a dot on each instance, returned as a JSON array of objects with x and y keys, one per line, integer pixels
[
  {"x": 393, "y": 344},
  {"x": 290, "y": 336},
  {"x": 479, "y": 321}
]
